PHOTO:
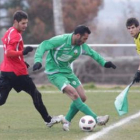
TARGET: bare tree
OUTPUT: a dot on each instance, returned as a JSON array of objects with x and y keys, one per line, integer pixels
[{"x": 58, "y": 17}]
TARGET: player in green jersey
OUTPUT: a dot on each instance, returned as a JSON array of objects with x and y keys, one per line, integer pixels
[
  {"x": 62, "y": 51},
  {"x": 133, "y": 27}
]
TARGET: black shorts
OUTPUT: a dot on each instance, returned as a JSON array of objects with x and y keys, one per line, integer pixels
[{"x": 22, "y": 82}]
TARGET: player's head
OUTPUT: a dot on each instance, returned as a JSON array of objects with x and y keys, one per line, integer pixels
[
  {"x": 80, "y": 35},
  {"x": 20, "y": 20},
  {"x": 132, "y": 25}
]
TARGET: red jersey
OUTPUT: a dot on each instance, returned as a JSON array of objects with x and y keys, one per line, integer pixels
[{"x": 12, "y": 40}]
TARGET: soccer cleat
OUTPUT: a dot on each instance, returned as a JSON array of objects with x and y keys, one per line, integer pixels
[
  {"x": 102, "y": 120},
  {"x": 66, "y": 124},
  {"x": 54, "y": 120}
]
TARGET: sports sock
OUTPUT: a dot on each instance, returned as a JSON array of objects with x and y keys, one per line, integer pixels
[
  {"x": 72, "y": 112},
  {"x": 84, "y": 108}
]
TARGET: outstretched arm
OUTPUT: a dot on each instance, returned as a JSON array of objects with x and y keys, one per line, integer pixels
[{"x": 96, "y": 56}]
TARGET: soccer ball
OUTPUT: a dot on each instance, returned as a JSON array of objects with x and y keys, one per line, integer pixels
[{"x": 87, "y": 123}]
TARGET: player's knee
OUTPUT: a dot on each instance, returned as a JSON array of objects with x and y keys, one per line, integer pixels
[
  {"x": 69, "y": 89},
  {"x": 75, "y": 96},
  {"x": 83, "y": 98},
  {"x": 71, "y": 92}
]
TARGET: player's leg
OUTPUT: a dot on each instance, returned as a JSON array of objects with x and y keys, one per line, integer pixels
[
  {"x": 74, "y": 82},
  {"x": 73, "y": 109},
  {"x": 72, "y": 93},
  {"x": 31, "y": 89},
  {"x": 77, "y": 102},
  {"x": 76, "y": 105},
  {"x": 101, "y": 120},
  {"x": 62, "y": 81},
  {"x": 5, "y": 88}
]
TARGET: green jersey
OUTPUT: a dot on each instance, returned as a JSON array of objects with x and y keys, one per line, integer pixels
[{"x": 61, "y": 53}]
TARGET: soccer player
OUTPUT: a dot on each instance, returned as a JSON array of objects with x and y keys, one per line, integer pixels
[
  {"x": 133, "y": 27},
  {"x": 14, "y": 72},
  {"x": 62, "y": 51}
]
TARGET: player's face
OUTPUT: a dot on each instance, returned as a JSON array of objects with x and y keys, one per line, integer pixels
[
  {"x": 22, "y": 25},
  {"x": 81, "y": 39},
  {"x": 133, "y": 30}
]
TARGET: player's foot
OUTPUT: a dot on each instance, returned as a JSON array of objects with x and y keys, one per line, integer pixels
[
  {"x": 66, "y": 124},
  {"x": 102, "y": 120},
  {"x": 54, "y": 120}
]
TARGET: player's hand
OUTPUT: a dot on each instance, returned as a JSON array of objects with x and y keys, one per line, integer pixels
[
  {"x": 109, "y": 64},
  {"x": 137, "y": 76},
  {"x": 27, "y": 65},
  {"x": 37, "y": 66},
  {"x": 27, "y": 50}
]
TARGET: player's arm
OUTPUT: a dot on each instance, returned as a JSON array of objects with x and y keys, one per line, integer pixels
[
  {"x": 46, "y": 46},
  {"x": 11, "y": 49},
  {"x": 43, "y": 47},
  {"x": 96, "y": 56},
  {"x": 14, "y": 53},
  {"x": 137, "y": 74},
  {"x": 138, "y": 51}
]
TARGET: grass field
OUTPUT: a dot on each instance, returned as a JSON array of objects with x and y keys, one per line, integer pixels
[{"x": 20, "y": 121}]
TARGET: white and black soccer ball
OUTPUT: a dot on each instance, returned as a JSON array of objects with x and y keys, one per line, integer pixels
[{"x": 87, "y": 123}]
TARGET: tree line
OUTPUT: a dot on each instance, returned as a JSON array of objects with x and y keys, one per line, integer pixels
[{"x": 46, "y": 15}]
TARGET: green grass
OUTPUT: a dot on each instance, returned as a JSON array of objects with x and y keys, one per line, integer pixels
[{"x": 20, "y": 121}]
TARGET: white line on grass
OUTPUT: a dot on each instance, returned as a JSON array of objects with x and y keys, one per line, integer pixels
[
  {"x": 111, "y": 127},
  {"x": 93, "y": 91}
]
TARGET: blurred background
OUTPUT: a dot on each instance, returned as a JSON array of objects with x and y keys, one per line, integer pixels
[{"x": 106, "y": 20}]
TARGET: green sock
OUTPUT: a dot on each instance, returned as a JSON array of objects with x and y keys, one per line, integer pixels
[
  {"x": 72, "y": 112},
  {"x": 84, "y": 108}
]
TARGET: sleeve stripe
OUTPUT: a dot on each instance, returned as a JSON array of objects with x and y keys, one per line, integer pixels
[{"x": 9, "y": 35}]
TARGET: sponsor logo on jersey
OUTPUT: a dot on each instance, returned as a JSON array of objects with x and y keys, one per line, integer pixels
[
  {"x": 64, "y": 58},
  {"x": 67, "y": 49}
]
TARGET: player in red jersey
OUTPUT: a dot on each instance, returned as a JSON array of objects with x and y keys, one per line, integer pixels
[{"x": 13, "y": 69}]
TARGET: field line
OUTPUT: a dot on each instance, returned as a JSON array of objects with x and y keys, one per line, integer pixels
[
  {"x": 93, "y": 91},
  {"x": 111, "y": 127}
]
